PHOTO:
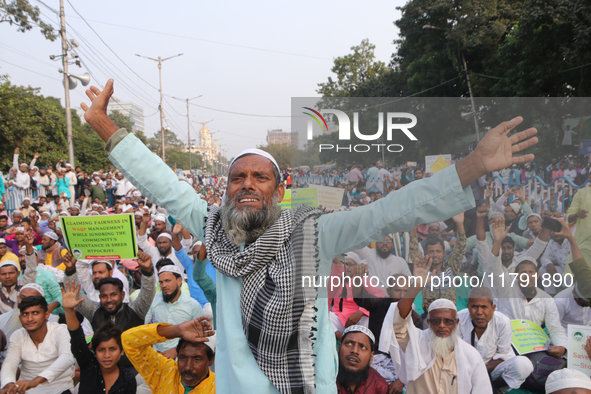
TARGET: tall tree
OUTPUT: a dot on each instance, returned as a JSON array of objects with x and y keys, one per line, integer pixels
[
  {"x": 352, "y": 71},
  {"x": 22, "y": 14},
  {"x": 31, "y": 122}
]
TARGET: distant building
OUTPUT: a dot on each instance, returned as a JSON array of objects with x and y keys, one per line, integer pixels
[
  {"x": 279, "y": 136},
  {"x": 128, "y": 108}
]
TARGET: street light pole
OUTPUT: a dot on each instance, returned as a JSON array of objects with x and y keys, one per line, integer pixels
[
  {"x": 431, "y": 27},
  {"x": 66, "y": 85},
  {"x": 189, "y": 130},
  {"x": 160, "y": 60},
  {"x": 471, "y": 99}
]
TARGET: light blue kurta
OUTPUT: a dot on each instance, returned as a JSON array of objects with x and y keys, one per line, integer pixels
[{"x": 433, "y": 199}]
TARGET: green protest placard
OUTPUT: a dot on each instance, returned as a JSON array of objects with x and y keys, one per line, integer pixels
[
  {"x": 307, "y": 196},
  {"x": 110, "y": 237},
  {"x": 286, "y": 202},
  {"x": 577, "y": 356},
  {"x": 528, "y": 337}
]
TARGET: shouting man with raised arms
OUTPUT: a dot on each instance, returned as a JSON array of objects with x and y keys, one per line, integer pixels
[{"x": 274, "y": 334}]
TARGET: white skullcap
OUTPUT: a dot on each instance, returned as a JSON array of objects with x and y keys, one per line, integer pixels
[
  {"x": 160, "y": 217},
  {"x": 94, "y": 205},
  {"x": 76, "y": 205},
  {"x": 533, "y": 214},
  {"x": 35, "y": 287},
  {"x": 27, "y": 198},
  {"x": 567, "y": 379},
  {"x": 10, "y": 262},
  {"x": 94, "y": 213},
  {"x": 2, "y": 241},
  {"x": 515, "y": 206},
  {"x": 442, "y": 303},
  {"x": 495, "y": 214},
  {"x": 92, "y": 263},
  {"x": 65, "y": 213},
  {"x": 137, "y": 193},
  {"x": 43, "y": 210},
  {"x": 24, "y": 249},
  {"x": 165, "y": 235},
  {"x": 359, "y": 328},
  {"x": 520, "y": 259},
  {"x": 170, "y": 268},
  {"x": 353, "y": 256},
  {"x": 138, "y": 213},
  {"x": 212, "y": 341},
  {"x": 68, "y": 165},
  {"x": 258, "y": 152},
  {"x": 52, "y": 235},
  {"x": 16, "y": 211}
]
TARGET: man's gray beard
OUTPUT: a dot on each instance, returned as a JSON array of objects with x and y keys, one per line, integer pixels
[
  {"x": 443, "y": 346},
  {"x": 247, "y": 226}
]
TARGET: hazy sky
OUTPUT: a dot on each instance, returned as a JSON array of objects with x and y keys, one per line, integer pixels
[{"x": 247, "y": 57}]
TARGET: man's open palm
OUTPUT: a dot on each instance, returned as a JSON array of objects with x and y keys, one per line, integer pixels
[
  {"x": 196, "y": 330},
  {"x": 99, "y": 101},
  {"x": 497, "y": 149}
]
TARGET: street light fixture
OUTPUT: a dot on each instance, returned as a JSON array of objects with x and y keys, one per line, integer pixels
[{"x": 160, "y": 60}]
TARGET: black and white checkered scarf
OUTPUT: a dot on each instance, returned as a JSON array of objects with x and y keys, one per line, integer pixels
[{"x": 278, "y": 313}]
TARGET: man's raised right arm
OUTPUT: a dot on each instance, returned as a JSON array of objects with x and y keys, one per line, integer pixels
[{"x": 144, "y": 169}]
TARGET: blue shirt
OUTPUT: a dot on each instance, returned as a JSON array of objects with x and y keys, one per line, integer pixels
[
  {"x": 433, "y": 199},
  {"x": 194, "y": 288}
]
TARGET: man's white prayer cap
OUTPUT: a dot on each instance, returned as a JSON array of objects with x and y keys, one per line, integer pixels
[
  {"x": 258, "y": 152},
  {"x": 359, "y": 328},
  {"x": 52, "y": 235},
  {"x": 35, "y": 287},
  {"x": 567, "y": 379},
  {"x": 160, "y": 217},
  {"x": 442, "y": 303},
  {"x": 10, "y": 262},
  {"x": 170, "y": 268},
  {"x": 495, "y": 214},
  {"x": 515, "y": 206},
  {"x": 353, "y": 256}
]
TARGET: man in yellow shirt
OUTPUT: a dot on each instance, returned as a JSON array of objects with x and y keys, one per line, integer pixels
[
  {"x": 4, "y": 253},
  {"x": 190, "y": 374}
]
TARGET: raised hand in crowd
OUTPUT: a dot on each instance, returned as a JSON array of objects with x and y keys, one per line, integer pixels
[
  {"x": 496, "y": 151},
  {"x": 144, "y": 261},
  {"x": 70, "y": 294},
  {"x": 69, "y": 261}
]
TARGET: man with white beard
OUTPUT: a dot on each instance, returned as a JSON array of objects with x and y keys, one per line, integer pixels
[{"x": 435, "y": 360}]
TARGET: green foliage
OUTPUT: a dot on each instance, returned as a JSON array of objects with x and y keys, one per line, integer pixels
[
  {"x": 31, "y": 122},
  {"x": 123, "y": 121},
  {"x": 176, "y": 156},
  {"x": 353, "y": 70},
  {"x": 22, "y": 14},
  {"x": 512, "y": 48}
]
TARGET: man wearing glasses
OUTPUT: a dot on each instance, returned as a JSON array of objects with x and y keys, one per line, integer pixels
[{"x": 435, "y": 360}]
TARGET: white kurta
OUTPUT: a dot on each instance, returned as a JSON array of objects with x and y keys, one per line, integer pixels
[
  {"x": 52, "y": 360},
  {"x": 510, "y": 300},
  {"x": 495, "y": 344},
  {"x": 416, "y": 362},
  {"x": 383, "y": 268},
  {"x": 569, "y": 311}
]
